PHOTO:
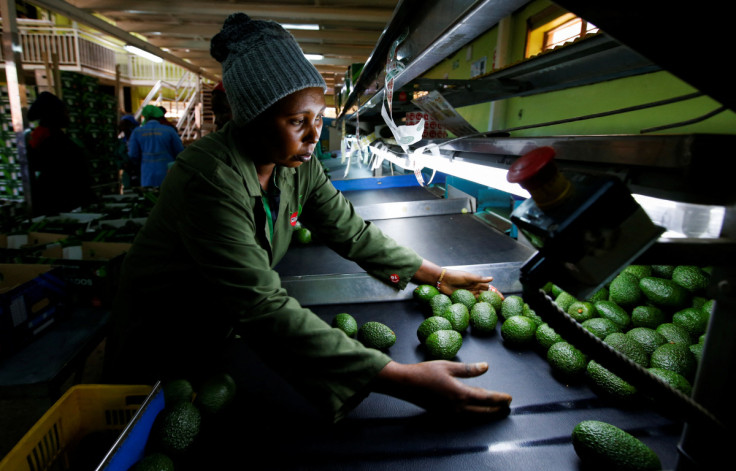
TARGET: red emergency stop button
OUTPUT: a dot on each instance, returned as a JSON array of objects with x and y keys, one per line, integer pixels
[{"x": 537, "y": 172}]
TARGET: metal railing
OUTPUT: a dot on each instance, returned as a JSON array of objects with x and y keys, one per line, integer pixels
[
  {"x": 78, "y": 50},
  {"x": 74, "y": 49}
]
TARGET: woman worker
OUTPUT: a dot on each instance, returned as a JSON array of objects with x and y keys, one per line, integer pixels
[{"x": 200, "y": 272}]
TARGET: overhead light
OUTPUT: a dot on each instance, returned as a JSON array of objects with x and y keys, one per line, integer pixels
[
  {"x": 314, "y": 57},
  {"x": 481, "y": 174},
  {"x": 306, "y": 27},
  {"x": 141, "y": 53}
]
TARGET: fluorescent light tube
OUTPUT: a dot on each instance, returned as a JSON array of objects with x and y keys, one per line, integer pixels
[{"x": 141, "y": 53}]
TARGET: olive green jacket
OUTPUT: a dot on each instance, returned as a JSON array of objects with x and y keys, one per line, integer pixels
[{"x": 202, "y": 269}]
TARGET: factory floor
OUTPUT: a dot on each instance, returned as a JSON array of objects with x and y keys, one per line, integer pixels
[{"x": 18, "y": 415}]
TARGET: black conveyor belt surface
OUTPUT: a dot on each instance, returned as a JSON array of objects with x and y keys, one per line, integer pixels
[
  {"x": 391, "y": 195},
  {"x": 447, "y": 240},
  {"x": 384, "y": 433}
]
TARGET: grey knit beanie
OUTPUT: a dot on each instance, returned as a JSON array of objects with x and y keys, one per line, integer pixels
[{"x": 261, "y": 63}]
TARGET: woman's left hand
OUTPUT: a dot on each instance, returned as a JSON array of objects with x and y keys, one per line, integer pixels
[
  {"x": 450, "y": 280},
  {"x": 456, "y": 279}
]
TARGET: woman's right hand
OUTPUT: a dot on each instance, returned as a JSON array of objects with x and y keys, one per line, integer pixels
[{"x": 434, "y": 386}]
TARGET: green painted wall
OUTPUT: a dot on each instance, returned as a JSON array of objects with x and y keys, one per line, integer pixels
[{"x": 586, "y": 100}]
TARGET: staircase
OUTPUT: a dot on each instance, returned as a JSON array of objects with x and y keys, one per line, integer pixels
[{"x": 208, "y": 116}]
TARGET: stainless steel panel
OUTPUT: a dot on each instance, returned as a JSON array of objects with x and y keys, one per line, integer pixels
[
  {"x": 312, "y": 290},
  {"x": 414, "y": 208}
]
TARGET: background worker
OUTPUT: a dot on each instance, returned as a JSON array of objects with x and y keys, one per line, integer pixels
[
  {"x": 59, "y": 167},
  {"x": 154, "y": 146},
  {"x": 200, "y": 275}
]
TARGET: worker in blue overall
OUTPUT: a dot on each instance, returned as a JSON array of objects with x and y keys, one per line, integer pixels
[{"x": 155, "y": 146}]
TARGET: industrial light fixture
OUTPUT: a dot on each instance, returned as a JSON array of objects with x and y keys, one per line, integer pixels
[
  {"x": 482, "y": 174},
  {"x": 141, "y": 53},
  {"x": 305, "y": 27},
  {"x": 314, "y": 57}
]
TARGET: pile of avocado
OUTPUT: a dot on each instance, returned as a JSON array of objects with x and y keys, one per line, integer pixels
[
  {"x": 447, "y": 318},
  {"x": 656, "y": 315},
  {"x": 179, "y": 424}
]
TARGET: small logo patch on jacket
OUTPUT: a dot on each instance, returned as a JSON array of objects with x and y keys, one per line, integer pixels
[
  {"x": 394, "y": 278},
  {"x": 293, "y": 218}
]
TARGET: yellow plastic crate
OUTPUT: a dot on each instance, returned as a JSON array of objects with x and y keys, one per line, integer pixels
[{"x": 81, "y": 410}]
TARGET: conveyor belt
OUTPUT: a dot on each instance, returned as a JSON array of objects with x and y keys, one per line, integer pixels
[
  {"x": 316, "y": 275},
  {"x": 384, "y": 433},
  {"x": 460, "y": 239}
]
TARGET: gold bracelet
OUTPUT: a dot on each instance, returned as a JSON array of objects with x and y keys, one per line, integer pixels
[{"x": 439, "y": 282}]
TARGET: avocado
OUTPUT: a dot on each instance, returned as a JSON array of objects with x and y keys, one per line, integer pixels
[
  {"x": 177, "y": 390},
  {"x": 458, "y": 315},
  {"x": 648, "y": 338},
  {"x": 626, "y": 345},
  {"x": 692, "y": 319},
  {"x": 546, "y": 336},
  {"x": 432, "y": 324},
  {"x": 304, "y": 235},
  {"x": 600, "y": 445},
  {"x": 663, "y": 271},
  {"x": 564, "y": 300},
  {"x": 601, "y": 294},
  {"x": 581, "y": 311},
  {"x": 346, "y": 323},
  {"x": 613, "y": 312},
  {"x": 518, "y": 331},
  {"x": 624, "y": 290},
  {"x": 494, "y": 298},
  {"x": 698, "y": 302},
  {"x": 463, "y": 296},
  {"x": 154, "y": 462},
  {"x": 697, "y": 351},
  {"x": 709, "y": 306},
  {"x": 664, "y": 293},
  {"x": 555, "y": 290},
  {"x": 376, "y": 335},
  {"x": 607, "y": 384},
  {"x": 512, "y": 305},
  {"x": 691, "y": 277},
  {"x": 639, "y": 271},
  {"x": 423, "y": 293},
  {"x": 566, "y": 360},
  {"x": 674, "y": 333},
  {"x": 531, "y": 314},
  {"x": 601, "y": 327},
  {"x": 175, "y": 428},
  {"x": 647, "y": 316},
  {"x": 483, "y": 318},
  {"x": 438, "y": 304},
  {"x": 675, "y": 357},
  {"x": 215, "y": 394},
  {"x": 444, "y": 344},
  {"x": 674, "y": 379}
]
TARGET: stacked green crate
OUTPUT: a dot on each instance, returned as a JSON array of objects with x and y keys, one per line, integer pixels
[
  {"x": 93, "y": 123},
  {"x": 11, "y": 180}
]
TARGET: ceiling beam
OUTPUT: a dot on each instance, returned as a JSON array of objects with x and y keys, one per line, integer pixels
[
  {"x": 208, "y": 30},
  {"x": 274, "y": 11},
  {"x": 73, "y": 13}
]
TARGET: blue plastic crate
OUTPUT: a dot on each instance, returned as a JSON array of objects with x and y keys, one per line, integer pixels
[{"x": 131, "y": 445}]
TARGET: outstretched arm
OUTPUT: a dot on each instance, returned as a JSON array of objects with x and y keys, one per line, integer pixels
[
  {"x": 430, "y": 273},
  {"x": 434, "y": 386}
]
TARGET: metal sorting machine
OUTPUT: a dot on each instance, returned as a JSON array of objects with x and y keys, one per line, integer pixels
[{"x": 386, "y": 433}]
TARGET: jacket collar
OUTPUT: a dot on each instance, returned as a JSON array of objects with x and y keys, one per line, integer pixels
[{"x": 247, "y": 167}]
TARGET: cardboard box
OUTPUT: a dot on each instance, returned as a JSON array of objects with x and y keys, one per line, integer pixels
[
  {"x": 75, "y": 223},
  {"x": 90, "y": 269},
  {"x": 32, "y": 297},
  {"x": 13, "y": 246}
]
